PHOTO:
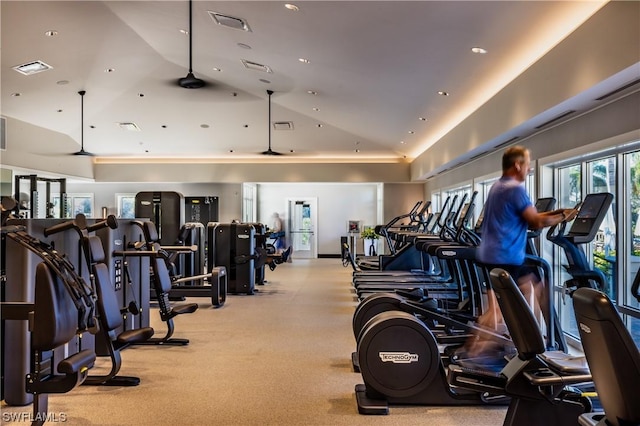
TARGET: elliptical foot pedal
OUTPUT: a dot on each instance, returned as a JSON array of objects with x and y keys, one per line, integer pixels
[
  {"x": 369, "y": 406},
  {"x": 355, "y": 362}
]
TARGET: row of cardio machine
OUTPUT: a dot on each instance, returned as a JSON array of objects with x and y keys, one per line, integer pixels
[
  {"x": 411, "y": 326},
  {"x": 74, "y": 290}
]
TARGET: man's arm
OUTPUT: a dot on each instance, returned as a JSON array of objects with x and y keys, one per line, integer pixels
[{"x": 542, "y": 220}]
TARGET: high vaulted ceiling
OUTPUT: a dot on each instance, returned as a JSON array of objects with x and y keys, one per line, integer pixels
[{"x": 369, "y": 89}]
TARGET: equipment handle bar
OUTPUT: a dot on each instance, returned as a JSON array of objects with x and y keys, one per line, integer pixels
[
  {"x": 79, "y": 223},
  {"x": 109, "y": 222}
]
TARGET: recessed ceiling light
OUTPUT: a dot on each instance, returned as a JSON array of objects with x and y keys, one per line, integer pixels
[
  {"x": 291, "y": 151},
  {"x": 217, "y": 69},
  {"x": 316, "y": 109},
  {"x": 356, "y": 150},
  {"x": 32, "y": 67},
  {"x": 62, "y": 82},
  {"x": 51, "y": 33},
  {"x": 16, "y": 94},
  {"x": 265, "y": 81},
  {"x": 304, "y": 60},
  {"x": 230, "y": 150},
  {"x": 402, "y": 142},
  {"x": 292, "y": 7},
  {"x": 244, "y": 46},
  {"x": 312, "y": 92},
  {"x": 443, "y": 93},
  {"x": 92, "y": 126},
  {"x": 141, "y": 95},
  {"x": 185, "y": 32},
  {"x": 422, "y": 119},
  {"x": 164, "y": 126},
  {"x": 59, "y": 110},
  {"x": 204, "y": 126},
  {"x": 411, "y": 132},
  {"x": 478, "y": 50},
  {"x": 319, "y": 125},
  {"x": 109, "y": 70}
]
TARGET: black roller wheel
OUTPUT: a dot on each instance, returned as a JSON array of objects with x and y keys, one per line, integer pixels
[
  {"x": 372, "y": 306},
  {"x": 398, "y": 355}
]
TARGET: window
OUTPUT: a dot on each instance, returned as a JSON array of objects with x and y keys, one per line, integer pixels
[
  {"x": 601, "y": 177},
  {"x": 126, "y": 206},
  {"x": 76, "y": 204}
]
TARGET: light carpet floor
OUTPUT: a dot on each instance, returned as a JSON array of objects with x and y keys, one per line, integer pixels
[{"x": 279, "y": 357}]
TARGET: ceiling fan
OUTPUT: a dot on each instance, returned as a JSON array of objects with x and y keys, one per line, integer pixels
[
  {"x": 191, "y": 81},
  {"x": 269, "y": 151},
  {"x": 82, "y": 151}
]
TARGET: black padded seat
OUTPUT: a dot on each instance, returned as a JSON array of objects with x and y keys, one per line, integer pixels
[
  {"x": 110, "y": 316},
  {"x": 613, "y": 357}
]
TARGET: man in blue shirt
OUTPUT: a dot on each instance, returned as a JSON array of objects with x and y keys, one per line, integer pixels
[{"x": 508, "y": 214}]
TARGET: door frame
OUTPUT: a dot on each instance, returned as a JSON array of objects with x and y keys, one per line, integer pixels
[{"x": 313, "y": 203}]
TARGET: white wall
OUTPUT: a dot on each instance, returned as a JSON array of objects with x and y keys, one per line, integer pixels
[
  {"x": 230, "y": 195},
  {"x": 337, "y": 204}
]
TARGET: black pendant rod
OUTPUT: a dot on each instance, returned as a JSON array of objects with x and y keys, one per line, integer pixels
[
  {"x": 82, "y": 93},
  {"x": 190, "y": 35},
  {"x": 269, "y": 92}
]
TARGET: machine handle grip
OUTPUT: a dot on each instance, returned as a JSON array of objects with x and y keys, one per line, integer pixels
[
  {"x": 78, "y": 223},
  {"x": 109, "y": 222}
]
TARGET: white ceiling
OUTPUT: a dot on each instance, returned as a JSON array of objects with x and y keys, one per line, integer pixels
[{"x": 377, "y": 66}]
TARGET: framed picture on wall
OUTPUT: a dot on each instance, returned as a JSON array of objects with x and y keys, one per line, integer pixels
[{"x": 353, "y": 226}]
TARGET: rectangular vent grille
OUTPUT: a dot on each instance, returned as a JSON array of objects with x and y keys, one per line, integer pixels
[
  {"x": 256, "y": 66},
  {"x": 553, "y": 120},
  {"x": 31, "y": 68},
  {"x": 283, "y": 125},
  {"x": 229, "y": 21},
  {"x": 618, "y": 90},
  {"x": 131, "y": 127},
  {"x": 509, "y": 142},
  {"x": 3, "y": 133}
]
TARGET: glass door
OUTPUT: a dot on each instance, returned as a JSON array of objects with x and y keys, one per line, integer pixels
[{"x": 302, "y": 227}]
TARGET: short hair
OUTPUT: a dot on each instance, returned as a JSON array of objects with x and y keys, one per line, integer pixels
[{"x": 512, "y": 155}]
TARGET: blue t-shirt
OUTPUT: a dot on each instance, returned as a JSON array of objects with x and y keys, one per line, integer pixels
[{"x": 504, "y": 231}]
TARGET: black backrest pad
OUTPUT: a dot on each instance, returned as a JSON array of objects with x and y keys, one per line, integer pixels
[
  {"x": 522, "y": 325},
  {"x": 161, "y": 278},
  {"x": 96, "y": 248},
  {"x": 108, "y": 307},
  {"x": 55, "y": 316},
  {"x": 613, "y": 357}
]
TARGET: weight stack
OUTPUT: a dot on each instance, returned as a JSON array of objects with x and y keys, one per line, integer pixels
[{"x": 227, "y": 243}]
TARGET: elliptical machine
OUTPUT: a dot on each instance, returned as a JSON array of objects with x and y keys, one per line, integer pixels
[{"x": 400, "y": 360}]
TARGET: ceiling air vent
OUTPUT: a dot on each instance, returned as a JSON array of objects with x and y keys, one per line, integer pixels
[
  {"x": 131, "y": 127},
  {"x": 283, "y": 125},
  {"x": 256, "y": 66},
  {"x": 555, "y": 119},
  {"x": 33, "y": 67},
  {"x": 3, "y": 133},
  {"x": 618, "y": 90},
  {"x": 229, "y": 21},
  {"x": 507, "y": 142}
]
